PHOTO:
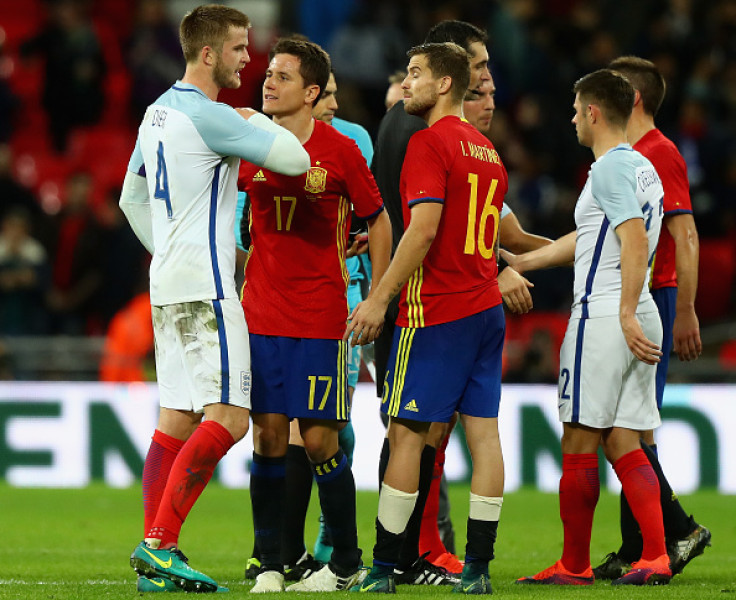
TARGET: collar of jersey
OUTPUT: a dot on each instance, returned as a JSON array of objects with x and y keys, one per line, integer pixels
[
  {"x": 187, "y": 87},
  {"x": 621, "y": 146}
]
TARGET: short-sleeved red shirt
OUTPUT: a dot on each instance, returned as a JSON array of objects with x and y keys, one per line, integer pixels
[
  {"x": 672, "y": 170},
  {"x": 295, "y": 278},
  {"x": 453, "y": 164}
]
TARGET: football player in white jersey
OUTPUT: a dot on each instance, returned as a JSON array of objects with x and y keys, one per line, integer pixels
[
  {"x": 611, "y": 348},
  {"x": 179, "y": 196}
]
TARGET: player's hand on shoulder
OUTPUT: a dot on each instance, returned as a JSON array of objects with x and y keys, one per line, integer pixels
[
  {"x": 246, "y": 113},
  {"x": 514, "y": 289},
  {"x": 365, "y": 322},
  {"x": 641, "y": 347}
]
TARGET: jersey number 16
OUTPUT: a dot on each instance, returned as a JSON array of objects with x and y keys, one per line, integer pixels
[{"x": 486, "y": 251}]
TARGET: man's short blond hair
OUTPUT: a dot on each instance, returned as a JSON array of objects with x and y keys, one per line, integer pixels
[{"x": 208, "y": 25}]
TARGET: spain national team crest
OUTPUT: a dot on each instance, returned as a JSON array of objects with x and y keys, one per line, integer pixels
[{"x": 316, "y": 180}]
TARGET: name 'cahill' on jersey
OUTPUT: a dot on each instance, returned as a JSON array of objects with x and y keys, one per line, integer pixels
[
  {"x": 189, "y": 150},
  {"x": 621, "y": 185}
]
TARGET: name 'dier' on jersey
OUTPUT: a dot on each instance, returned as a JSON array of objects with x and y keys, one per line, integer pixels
[{"x": 295, "y": 277}]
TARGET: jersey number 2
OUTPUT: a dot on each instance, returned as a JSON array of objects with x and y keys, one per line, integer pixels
[
  {"x": 162, "y": 180},
  {"x": 471, "y": 236},
  {"x": 564, "y": 375}
]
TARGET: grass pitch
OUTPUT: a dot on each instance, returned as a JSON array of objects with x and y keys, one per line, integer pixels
[{"x": 74, "y": 544}]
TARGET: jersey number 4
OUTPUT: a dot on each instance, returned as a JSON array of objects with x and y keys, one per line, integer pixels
[
  {"x": 162, "y": 180},
  {"x": 475, "y": 237}
]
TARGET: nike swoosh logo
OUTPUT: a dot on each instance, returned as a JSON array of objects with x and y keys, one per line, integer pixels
[
  {"x": 465, "y": 589},
  {"x": 158, "y": 582},
  {"x": 368, "y": 588},
  {"x": 158, "y": 561}
]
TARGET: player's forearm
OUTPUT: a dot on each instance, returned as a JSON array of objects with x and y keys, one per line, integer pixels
[
  {"x": 686, "y": 330},
  {"x": 379, "y": 246},
  {"x": 287, "y": 155},
  {"x": 687, "y": 252},
  {"x": 687, "y": 279},
  {"x": 634, "y": 255},
  {"x": 558, "y": 253},
  {"x": 135, "y": 204},
  {"x": 515, "y": 239},
  {"x": 529, "y": 242},
  {"x": 409, "y": 255}
]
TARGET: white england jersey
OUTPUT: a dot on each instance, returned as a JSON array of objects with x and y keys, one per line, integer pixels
[
  {"x": 189, "y": 149},
  {"x": 621, "y": 185}
]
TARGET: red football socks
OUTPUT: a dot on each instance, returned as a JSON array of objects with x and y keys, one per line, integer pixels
[
  {"x": 429, "y": 535},
  {"x": 641, "y": 489},
  {"x": 579, "y": 491},
  {"x": 189, "y": 475},
  {"x": 160, "y": 457}
]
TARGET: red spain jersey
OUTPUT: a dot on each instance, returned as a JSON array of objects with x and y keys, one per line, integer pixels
[
  {"x": 670, "y": 166},
  {"x": 295, "y": 277},
  {"x": 455, "y": 165}
]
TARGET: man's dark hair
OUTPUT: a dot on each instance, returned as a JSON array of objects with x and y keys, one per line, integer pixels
[
  {"x": 459, "y": 32},
  {"x": 645, "y": 77},
  {"x": 208, "y": 25},
  {"x": 447, "y": 60},
  {"x": 314, "y": 63},
  {"x": 611, "y": 91}
]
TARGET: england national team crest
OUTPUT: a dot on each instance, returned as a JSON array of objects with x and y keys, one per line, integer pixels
[{"x": 316, "y": 180}]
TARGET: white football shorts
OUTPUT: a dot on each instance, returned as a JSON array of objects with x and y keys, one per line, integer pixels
[
  {"x": 602, "y": 384},
  {"x": 202, "y": 354}
]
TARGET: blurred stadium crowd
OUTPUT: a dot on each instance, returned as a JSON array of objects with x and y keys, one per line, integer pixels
[{"x": 76, "y": 76}]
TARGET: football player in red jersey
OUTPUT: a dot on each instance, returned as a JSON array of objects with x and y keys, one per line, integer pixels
[
  {"x": 446, "y": 353},
  {"x": 674, "y": 285},
  {"x": 478, "y": 108},
  {"x": 294, "y": 297}
]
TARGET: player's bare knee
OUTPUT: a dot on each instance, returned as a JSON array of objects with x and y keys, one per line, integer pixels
[
  {"x": 648, "y": 437},
  {"x": 179, "y": 424},
  {"x": 437, "y": 433},
  {"x": 321, "y": 443},
  {"x": 619, "y": 441},
  {"x": 233, "y": 418},
  {"x": 237, "y": 428},
  {"x": 270, "y": 440}
]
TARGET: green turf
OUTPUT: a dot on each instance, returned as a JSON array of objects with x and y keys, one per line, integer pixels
[{"x": 74, "y": 544}]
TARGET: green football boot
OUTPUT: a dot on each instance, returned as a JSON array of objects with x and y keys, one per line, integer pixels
[
  {"x": 474, "y": 579},
  {"x": 380, "y": 580},
  {"x": 171, "y": 564},
  {"x": 156, "y": 584}
]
